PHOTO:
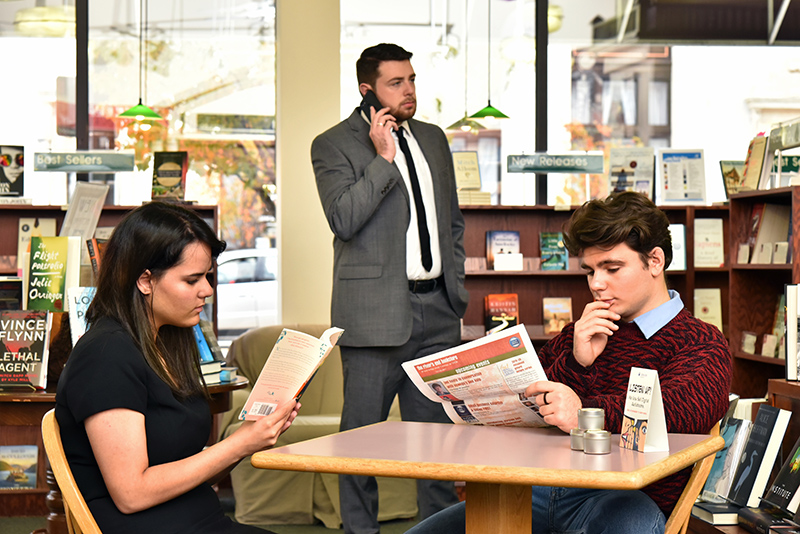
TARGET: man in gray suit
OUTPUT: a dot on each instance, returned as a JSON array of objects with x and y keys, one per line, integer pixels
[{"x": 398, "y": 274}]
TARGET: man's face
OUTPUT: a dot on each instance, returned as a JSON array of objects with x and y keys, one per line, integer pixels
[
  {"x": 617, "y": 276},
  {"x": 395, "y": 88}
]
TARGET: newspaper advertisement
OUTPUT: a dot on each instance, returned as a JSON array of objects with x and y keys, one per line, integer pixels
[{"x": 483, "y": 382}]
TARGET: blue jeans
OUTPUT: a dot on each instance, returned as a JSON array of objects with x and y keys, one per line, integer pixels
[{"x": 569, "y": 511}]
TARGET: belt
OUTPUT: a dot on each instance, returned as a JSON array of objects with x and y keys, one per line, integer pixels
[{"x": 425, "y": 286}]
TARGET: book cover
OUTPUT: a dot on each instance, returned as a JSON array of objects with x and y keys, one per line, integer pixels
[
  {"x": 169, "y": 174},
  {"x": 556, "y": 313},
  {"x": 717, "y": 514},
  {"x": 783, "y": 490},
  {"x": 24, "y": 346},
  {"x": 632, "y": 169},
  {"x": 10, "y": 293},
  {"x": 500, "y": 311},
  {"x": 467, "y": 169},
  {"x": 79, "y": 300},
  {"x": 708, "y": 243},
  {"x": 211, "y": 338},
  {"x": 678, "y": 233},
  {"x": 708, "y": 305},
  {"x": 289, "y": 369},
  {"x": 753, "y": 162},
  {"x": 791, "y": 338},
  {"x": 18, "y": 466},
  {"x": 202, "y": 345},
  {"x": 717, "y": 486},
  {"x": 732, "y": 175},
  {"x": 12, "y": 169},
  {"x": 759, "y": 519},
  {"x": 760, "y": 452},
  {"x": 54, "y": 266},
  {"x": 500, "y": 242},
  {"x": 29, "y": 227},
  {"x": 553, "y": 252}
]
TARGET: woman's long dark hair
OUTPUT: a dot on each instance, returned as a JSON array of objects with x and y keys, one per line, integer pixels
[{"x": 152, "y": 237}]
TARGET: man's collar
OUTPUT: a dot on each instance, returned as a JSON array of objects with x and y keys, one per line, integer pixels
[{"x": 651, "y": 322}]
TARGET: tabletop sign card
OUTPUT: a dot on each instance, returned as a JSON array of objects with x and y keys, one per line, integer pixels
[{"x": 644, "y": 426}]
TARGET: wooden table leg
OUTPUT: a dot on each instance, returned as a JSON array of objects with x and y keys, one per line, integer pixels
[{"x": 498, "y": 508}]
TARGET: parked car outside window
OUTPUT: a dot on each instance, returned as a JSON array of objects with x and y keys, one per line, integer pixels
[{"x": 247, "y": 291}]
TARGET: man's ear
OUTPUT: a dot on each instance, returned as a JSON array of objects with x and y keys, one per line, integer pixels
[
  {"x": 145, "y": 282},
  {"x": 656, "y": 261},
  {"x": 364, "y": 87}
]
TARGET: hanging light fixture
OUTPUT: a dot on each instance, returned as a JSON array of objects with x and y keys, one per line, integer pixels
[
  {"x": 140, "y": 112},
  {"x": 466, "y": 124},
  {"x": 489, "y": 111}
]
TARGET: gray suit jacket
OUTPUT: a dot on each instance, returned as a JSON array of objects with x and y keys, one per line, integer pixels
[{"x": 366, "y": 204}]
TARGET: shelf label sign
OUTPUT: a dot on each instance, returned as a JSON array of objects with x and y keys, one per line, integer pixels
[
  {"x": 547, "y": 163},
  {"x": 100, "y": 161}
]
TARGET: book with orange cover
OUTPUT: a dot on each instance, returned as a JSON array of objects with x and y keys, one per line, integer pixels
[{"x": 500, "y": 311}]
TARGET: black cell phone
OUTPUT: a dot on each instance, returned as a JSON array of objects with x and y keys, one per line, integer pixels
[{"x": 370, "y": 100}]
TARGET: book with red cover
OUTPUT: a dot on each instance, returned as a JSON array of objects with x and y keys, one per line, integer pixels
[{"x": 501, "y": 310}]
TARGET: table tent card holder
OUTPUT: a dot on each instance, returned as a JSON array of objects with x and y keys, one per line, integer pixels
[{"x": 644, "y": 426}]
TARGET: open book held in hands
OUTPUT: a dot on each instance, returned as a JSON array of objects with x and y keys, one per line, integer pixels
[
  {"x": 483, "y": 382},
  {"x": 290, "y": 367}
]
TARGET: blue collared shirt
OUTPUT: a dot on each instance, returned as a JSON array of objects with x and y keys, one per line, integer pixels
[{"x": 651, "y": 322}]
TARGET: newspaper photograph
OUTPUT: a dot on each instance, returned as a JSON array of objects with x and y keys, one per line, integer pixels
[{"x": 483, "y": 382}]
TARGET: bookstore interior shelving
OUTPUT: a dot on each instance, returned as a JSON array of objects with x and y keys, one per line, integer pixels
[{"x": 21, "y": 413}]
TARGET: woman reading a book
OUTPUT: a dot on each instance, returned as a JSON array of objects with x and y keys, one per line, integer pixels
[{"x": 131, "y": 403}]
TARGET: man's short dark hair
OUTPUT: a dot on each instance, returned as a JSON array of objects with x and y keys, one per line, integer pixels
[
  {"x": 371, "y": 58},
  {"x": 625, "y": 217}
]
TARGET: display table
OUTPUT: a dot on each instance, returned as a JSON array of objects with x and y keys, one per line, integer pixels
[
  {"x": 499, "y": 464},
  {"x": 20, "y": 423}
]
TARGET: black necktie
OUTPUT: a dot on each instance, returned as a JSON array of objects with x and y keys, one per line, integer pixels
[{"x": 422, "y": 221}]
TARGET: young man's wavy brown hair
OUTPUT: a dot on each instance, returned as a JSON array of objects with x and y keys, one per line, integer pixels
[{"x": 626, "y": 217}]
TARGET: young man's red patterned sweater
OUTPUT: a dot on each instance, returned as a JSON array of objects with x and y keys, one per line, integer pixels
[{"x": 694, "y": 369}]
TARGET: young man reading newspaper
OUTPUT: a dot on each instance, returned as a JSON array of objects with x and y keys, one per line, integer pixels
[{"x": 624, "y": 245}]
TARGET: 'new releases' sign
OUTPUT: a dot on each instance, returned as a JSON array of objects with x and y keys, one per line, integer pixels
[
  {"x": 101, "y": 161},
  {"x": 546, "y": 163}
]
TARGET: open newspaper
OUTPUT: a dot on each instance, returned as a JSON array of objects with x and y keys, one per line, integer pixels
[
  {"x": 291, "y": 365},
  {"x": 483, "y": 382}
]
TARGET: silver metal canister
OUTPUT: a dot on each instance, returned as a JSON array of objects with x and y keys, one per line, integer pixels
[
  {"x": 597, "y": 442},
  {"x": 591, "y": 418},
  {"x": 576, "y": 439}
]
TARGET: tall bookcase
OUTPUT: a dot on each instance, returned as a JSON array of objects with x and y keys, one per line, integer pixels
[
  {"x": 534, "y": 284},
  {"x": 756, "y": 289}
]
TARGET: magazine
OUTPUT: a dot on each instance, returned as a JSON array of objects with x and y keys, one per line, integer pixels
[{"x": 483, "y": 382}]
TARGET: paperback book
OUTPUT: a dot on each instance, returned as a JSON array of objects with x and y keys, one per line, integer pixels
[
  {"x": 759, "y": 519},
  {"x": 54, "y": 266},
  {"x": 18, "y": 466},
  {"x": 718, "y": 484},
  {"x": 500, "y": 311},
  {"x": 783, "y": 490},
  {"x": 169, "y": 175},
  {"x": 79, "y": 300},
  {"x": 760, "y": 452},
  {"x": 553, "y": 252},
  {"x": 500, "y": 242},
  {"x": 29, "y": 227},
  {"x": 556, "y": 313},
  {"x": 289, "y": 369},
  {"x": 24, "y": 348},
  {"x": 717, "y": 513},
  {"x": 12, "y": 170}
]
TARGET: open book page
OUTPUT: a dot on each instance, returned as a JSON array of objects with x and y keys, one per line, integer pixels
[
  {"x": 483, "y": 382},
  {"x": 290, "y": 367}
]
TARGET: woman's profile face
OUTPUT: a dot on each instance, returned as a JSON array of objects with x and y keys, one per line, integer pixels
[
  {"x": 12, "y": 162},
  {"x": 178, "y": 295}
]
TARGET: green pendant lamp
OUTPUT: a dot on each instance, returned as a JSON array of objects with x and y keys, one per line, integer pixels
[
  {"x": 466, "y": 124},
  {"x": 489, "y": 112},
  {"x": 140, "y": 112}
]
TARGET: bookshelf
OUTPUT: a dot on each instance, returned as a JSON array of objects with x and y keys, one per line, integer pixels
[
  {"x": 533, "y": 284},
  {"x": 755, "y": 290}
]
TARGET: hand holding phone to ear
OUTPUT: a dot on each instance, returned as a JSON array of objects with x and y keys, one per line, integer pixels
[{"x": 381, "y": 126}]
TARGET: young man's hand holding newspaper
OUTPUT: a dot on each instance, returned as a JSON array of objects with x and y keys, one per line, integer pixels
[{"x": 483, "y": 382}]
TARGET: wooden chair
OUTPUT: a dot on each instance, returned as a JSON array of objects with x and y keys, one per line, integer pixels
[
  {"x": 79, "y": 517},
  {"x": 678, "y": 520}
]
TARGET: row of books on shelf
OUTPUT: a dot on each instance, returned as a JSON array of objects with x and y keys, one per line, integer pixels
[
  {"x": 738, "y": 489},
  {"x": 501, "y": 311},
  {"x": 503, "y": 249},
  {"x": 768, "y": 239}
]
